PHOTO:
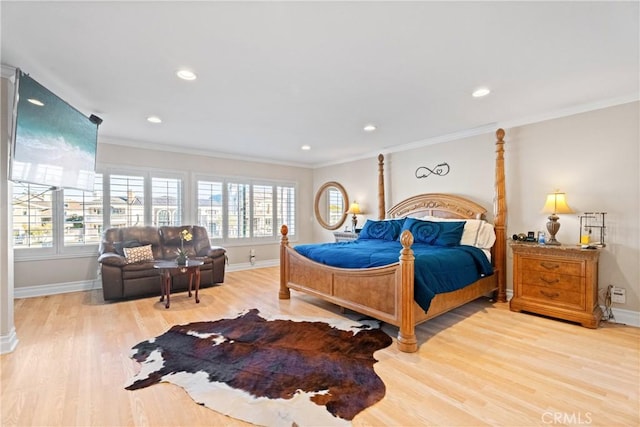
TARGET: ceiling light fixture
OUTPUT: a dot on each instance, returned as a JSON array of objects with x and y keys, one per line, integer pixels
[
  {"x": 154, "y": 119},
  {"x": 480, "y": 92},
  {"x": 36, "y": 102},
  {"x": 369, "y": 128},
  {"x": 305, "y": 147},
  {"x": 186, "y": 75}
]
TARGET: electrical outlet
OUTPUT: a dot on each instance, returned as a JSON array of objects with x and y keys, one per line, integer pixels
[{"x": 618, "y": 295}]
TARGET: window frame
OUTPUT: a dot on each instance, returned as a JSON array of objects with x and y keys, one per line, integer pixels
[{"x": 189, "y": 207}]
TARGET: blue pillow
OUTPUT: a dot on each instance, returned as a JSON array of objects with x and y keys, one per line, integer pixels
[
  {"x": 450, "y": 233},
  {"x": 435, "y": 233},
  {"x": 422, "y": 231},
  {"x": 381, "y": 230}
]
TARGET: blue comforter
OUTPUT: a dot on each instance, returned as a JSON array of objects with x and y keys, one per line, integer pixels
[{"x": 437, "y": 269}]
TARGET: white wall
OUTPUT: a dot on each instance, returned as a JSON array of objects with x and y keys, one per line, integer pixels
[{"x": 593, "y": 157}]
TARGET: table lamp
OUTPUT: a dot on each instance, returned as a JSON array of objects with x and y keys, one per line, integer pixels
[
  {"x": 556, "y": 204},
  {"x": 354, "y": 209}
]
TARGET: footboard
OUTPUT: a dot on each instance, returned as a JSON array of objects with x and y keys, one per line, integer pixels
[{"x": 384, "y": 293}]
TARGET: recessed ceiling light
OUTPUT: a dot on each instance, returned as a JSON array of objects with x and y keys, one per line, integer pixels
[
  {"x": 36, "y": 102},
  {"x": 480, "y": 92},
  {"x": 369, "y": 128},
  {"x": 154, "y": 119},
  {"x": 305, "y": 147},
  {"x": 186, "y": 75}
]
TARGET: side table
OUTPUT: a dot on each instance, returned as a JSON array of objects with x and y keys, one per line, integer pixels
[
  {"x": 191, "y": 268},
  {"x": 344, "y": 236},
  {"x": 556, "y": 281}
]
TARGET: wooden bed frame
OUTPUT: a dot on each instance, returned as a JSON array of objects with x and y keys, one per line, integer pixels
[{"x": 386, "y": 293}]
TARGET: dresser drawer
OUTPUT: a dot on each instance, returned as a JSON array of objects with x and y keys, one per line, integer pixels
[
  {"x": 555, "y": 296},
  {"x": 552, "y": 281},
  {"x": 551, "y": 265}
]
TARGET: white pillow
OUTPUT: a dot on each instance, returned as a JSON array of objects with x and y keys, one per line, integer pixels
[
  {"x": 486, "y": 236},
  {"x": 477, "y": 232}
]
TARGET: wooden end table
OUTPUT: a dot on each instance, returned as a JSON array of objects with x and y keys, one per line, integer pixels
[{"x": 191, "y": 268}]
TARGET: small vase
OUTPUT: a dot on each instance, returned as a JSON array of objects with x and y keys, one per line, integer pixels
[{"x": 181, "y": 260}]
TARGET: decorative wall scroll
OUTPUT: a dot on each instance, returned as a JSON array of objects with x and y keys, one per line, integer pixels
[{"x": 440, "y": 170}]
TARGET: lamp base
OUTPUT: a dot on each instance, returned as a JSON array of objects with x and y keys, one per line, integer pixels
[
  {"x": 552, "y": 227},
  {"x": 354, "y": 221},
  {"x": 553, "y": 242}
]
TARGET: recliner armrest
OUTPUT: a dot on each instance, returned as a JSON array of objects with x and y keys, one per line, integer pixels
[
  {"x": 216, "y": 251},
  {"x": 112, "y": 258}
]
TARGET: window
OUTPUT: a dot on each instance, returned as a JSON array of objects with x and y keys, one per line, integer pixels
[
  {"x": 286, "y": 209},
  {"x": 336, "y": 205},
  {"x": 66, "y": 221},
  {"x": 235, "y": 211},
  {"x": 209, "y": 209},
  {"x": 238, "y": 210},
  {"x": 126, "y": 200},
  {"x": 166, "y": 196},
  {"x": 83, "y": 215},
  {"x": 263, "y": 210},
  {"x": 32, "y": 216}
]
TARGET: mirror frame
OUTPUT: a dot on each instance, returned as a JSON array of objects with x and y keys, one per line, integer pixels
[{"x": 316, "y": 205}]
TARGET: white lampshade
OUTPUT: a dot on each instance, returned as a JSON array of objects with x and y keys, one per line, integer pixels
[
  {"x": 556, "y": 204},
  {"x": 354, "y": 209}
]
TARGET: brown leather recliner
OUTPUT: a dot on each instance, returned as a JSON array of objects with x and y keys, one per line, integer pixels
[{"x": 126, "y": 280}]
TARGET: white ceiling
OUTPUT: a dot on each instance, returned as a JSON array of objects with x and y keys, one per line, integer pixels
[{"x": 273, "y": 76}]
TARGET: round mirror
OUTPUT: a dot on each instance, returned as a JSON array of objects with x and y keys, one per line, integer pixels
[{"x": 331, "y": 205}]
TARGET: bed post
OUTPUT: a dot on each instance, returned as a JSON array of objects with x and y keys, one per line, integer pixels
[
  {"x": 382, "y": 212},
  {"x": 285, "y": 292},
  {"x": 407, "y": 341},
  {"x": 500, "y": 215}
]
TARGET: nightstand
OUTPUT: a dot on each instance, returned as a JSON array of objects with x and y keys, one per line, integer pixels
[
  {"x": 556, "y": 281},
  {"x": 344, "y": 236}
]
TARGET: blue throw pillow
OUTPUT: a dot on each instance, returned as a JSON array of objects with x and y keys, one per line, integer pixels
[
  {"x": 422, "y": 231},
  {"x": 450, "y": 233},
  {"x": 435, "y": 233},
  {"x": 119, "y": 246},
  {"x": 381, "y": 230}
]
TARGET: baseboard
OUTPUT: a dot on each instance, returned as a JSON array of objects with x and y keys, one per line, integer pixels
[
  {"x": 56, "y": 288},
  {"x": 9, "y": 342},
  {"x": 258, "y": 264},
  {"x": 509, "y": 294},
  {"x": 625, "y": 317},
  {"x": 621, "y": 316}
]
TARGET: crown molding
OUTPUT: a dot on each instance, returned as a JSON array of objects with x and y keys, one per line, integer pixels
[{"x": 7, "y": 71}]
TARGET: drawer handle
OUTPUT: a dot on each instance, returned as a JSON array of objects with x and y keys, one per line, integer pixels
[
  {"x": 549, "y": 266},
  {"x": 550, "y": 294},
  {"x": 549, "y": 281}
]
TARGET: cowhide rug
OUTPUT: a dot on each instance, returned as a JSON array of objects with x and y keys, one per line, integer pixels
[{"x": 276, "y": 372}]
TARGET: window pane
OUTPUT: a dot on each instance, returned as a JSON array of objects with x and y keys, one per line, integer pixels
[
  {"x": 286, "y": 205},
  {"x": 262, "y": 210},
  {"x": 83, "y": 215},
  {"x": 166, "y": 194},
  {"x": 210, "y": 207},
  {"x": 32, "y": 216},
  {"x": 127, "y": 200},
  {"x": 238, "y": 210},
  {"x": 336, "y": 206}
]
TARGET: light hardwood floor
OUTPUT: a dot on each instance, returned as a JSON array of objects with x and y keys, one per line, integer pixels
[{"x": 478, "y": 365}]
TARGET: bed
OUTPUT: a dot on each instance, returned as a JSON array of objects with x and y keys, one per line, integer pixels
[{"x": 387, "y": 292}]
